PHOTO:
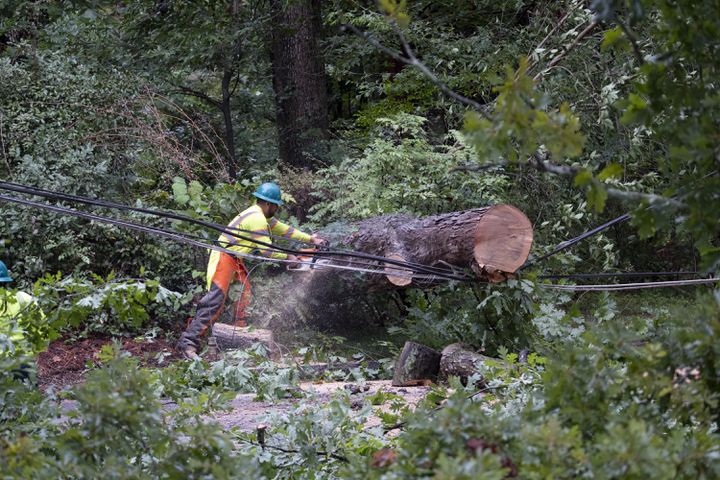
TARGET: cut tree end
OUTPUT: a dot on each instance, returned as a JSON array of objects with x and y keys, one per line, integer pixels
[
  {"x": 402, "y": 277},
  {"x": 503, "y": 238}
]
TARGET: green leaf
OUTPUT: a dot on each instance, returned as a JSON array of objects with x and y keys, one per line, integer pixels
[
  {"x": 597, "y": 195},
  {"x": 582, "y": 178},
  {"x": 612, "y": 38},
  {"x": 195, "y": 190},
  {"x": 613, "y": 170},
  {"x": 180, "y": 191}
]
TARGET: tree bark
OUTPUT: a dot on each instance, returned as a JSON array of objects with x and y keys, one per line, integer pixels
[
  {"x": 299, "y": 81},
  {"x": 229, "y": 337},
  {"x": 492, "y": 241},
  {"x": 232, "y": 165},
  {"x": 459, "y": 361},
  {"x": 415, "y": 364}
]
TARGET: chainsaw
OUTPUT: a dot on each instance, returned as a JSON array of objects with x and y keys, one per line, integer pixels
[{"x": 308, "y": 261}]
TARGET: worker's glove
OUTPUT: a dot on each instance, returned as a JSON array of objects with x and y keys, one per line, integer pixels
[
  {"x": 321, "y": 242},
  {"x": 294, "y": 261}
]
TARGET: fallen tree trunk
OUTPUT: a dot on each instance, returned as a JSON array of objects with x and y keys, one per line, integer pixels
[
  {"x": 229, "y": 337},
  {"x": 493, "y": 242}
]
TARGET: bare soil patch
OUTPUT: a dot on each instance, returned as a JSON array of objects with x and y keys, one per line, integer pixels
[{"x": 65, "y": 362}]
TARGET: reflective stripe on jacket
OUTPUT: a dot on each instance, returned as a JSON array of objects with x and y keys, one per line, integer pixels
[{"x": 253, "y": 220}]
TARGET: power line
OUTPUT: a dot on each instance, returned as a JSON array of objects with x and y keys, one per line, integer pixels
[
  {"x": 582, "y": 276},
  {"x": 416, "y": 267},
  {"x": 630, "y": 286},
  {"x": 403, "y": 271},
  {"x": 569, "y": 243}
]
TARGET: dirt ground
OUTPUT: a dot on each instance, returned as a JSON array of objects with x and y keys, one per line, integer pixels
[{"x": 65, "y": 362}]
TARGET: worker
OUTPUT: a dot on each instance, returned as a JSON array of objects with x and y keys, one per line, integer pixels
[
  {"x": 257, "y": 222},
  {"x": 12, "y": 305}
]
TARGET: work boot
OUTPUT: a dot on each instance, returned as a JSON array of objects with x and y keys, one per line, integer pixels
[{"x": 189, "y": 353}]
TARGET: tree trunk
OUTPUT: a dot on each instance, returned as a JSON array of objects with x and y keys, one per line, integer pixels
[
  {"x": 493, "y": 242},
  {"x": 299, "y": 81},
  {"x": 232, "y": 165},
  {"x": 229, "y": 337},
  {"x": 416, "y": 364}
]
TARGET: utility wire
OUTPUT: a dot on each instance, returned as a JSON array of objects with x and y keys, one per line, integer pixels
[
  {"x": 581, "y": 276},
  {"x": 41, "y": 192},
  {"x": 402, "y": 271},
  {"x": 396, "y": 267},
  {"x": 630, "y": 286},
  {"x": 416, "y": 267},
  {"x": 569, "y": 243}
]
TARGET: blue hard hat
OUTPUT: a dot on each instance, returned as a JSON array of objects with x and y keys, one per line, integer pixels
[
  {"x": 270, "y": 192},
  {"x": 4, "y": 274}
]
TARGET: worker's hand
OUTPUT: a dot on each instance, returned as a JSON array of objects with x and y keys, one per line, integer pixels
[
  {"x": 293, "y": 261},
  {"x": 318, "y": 241}
]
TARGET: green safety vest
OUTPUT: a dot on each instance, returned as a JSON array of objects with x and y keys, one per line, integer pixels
[
  {"x": 254, "y": 225},
  {"x": 10, "y": 308}
]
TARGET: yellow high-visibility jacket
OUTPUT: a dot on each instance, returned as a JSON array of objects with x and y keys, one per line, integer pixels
[
  {"x": 10, "y": 308},
  {"x": 253, "y": 220}
]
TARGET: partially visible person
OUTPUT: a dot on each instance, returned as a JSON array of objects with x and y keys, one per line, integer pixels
[
  {"x": 12, "y": 336},
  {"x": 224, "y": 268}
]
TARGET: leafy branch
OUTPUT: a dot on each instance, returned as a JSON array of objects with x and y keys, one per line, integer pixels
[{"x": 410, "y": 59}]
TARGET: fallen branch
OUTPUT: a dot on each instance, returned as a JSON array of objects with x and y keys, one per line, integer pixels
[
  {"x": 413, "y": 61},
  {"x": 565, "y": 52},
  {"x": 265, "y": 445},
  {"x": 544, "y": 165},
  {"x": 547, "y": 37}
]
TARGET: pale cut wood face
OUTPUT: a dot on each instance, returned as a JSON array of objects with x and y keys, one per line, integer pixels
[
  {"x": 503, "y": 238},
  {"x": 398, "y": 275}
]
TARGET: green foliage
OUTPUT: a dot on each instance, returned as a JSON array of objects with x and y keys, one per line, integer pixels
[
  {"x": 121, "y": 435},
  {"x": 609, "y": 405},
  {"x": 677, "y": 99},
  {"x": 96, "y": 304},
  {"x": 120, "y": 101},
  {"x": 219, "y": 203},
  {"x": 485, "y": 317},
  {"x": 402, "y": 172},
  {"x": 521, "y": 123}
]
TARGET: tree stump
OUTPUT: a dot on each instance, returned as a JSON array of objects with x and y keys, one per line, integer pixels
[
  {"x": 415, "y": 364},
  {"x": 459, "y": 361},
  {"x": 229, "y": 337}
]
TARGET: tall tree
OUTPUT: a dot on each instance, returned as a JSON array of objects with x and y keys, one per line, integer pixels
[{"x": 299, "y": 81}]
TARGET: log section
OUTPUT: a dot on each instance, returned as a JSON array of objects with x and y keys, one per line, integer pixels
[
  {"x": 493, "y": 242},
  {"x": 415, "y": 363},
  {"x": 458, "y": 360}
]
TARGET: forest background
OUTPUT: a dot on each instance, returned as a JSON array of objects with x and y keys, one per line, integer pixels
[{"x": 575, "y": 112}]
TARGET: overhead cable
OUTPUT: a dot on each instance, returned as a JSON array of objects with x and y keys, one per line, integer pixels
[
  {"x": 581, "y": 276},
  {"x": 630, "y": 286},
  {"x": 420, "y": 268},
  {"x": 569, "y": 243},
  {"x": 398, "y": 271}
]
